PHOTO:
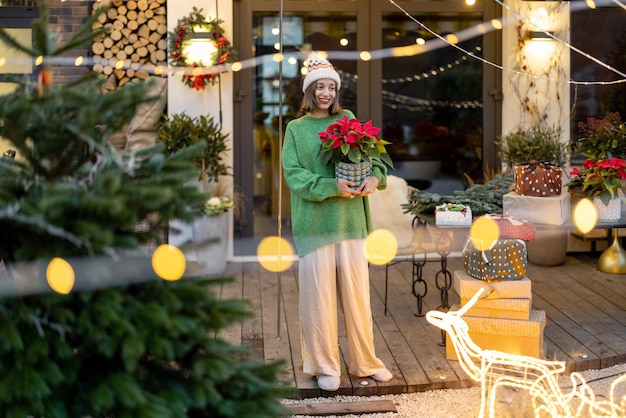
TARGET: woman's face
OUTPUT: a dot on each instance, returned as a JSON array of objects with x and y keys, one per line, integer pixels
[{"x": 325, "y": 93}]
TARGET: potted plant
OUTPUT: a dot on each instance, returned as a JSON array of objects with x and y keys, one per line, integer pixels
[
  {"x": 181, "y": 130},
  {"x": 205, "y": 239},
  {"x": 539, "y": 143},
  {"x": 603, "y": 138},
  {"x": 603, "y": 181},
  {"x": 351, "y": 146}
]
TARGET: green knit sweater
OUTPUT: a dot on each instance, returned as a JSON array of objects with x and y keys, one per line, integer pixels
[{"x": 319, "y": 215}]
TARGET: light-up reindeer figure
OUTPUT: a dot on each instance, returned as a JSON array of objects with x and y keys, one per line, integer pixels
[{"x": 540, "y": 377}]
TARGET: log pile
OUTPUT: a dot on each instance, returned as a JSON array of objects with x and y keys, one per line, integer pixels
[{"x": 135, "y": 43}]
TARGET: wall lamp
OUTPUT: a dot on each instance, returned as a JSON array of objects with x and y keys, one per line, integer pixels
[
  {"x": 200, "y": 47},
  {"x": 541, "y": 36}
]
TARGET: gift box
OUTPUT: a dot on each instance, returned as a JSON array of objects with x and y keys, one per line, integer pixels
[
  {"x": 552, "y": 210},
  {"x": 451, "y": 214},
  {"x": 506, "y": 259},
  {"x": 506, "y": 335},
  {"x": 511, "y": 227},
  {"x": 500, "y": 308},
  {"x": 466, "y": 287},
  {"x": 537, "y": 178}
]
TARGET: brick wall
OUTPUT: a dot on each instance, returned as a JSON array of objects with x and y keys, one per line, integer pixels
[{"x": 66, "y": 17}]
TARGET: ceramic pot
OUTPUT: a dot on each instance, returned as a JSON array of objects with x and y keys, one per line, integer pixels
[
  {"x": 610, "y": 212},
  {"x": 353, "y": 171}
]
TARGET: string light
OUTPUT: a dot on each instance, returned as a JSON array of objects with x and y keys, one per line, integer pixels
[
  {"x": 501, "y": 67},
  {"x": 567, "y": 44},
  {"x": 415, "y": 49}
]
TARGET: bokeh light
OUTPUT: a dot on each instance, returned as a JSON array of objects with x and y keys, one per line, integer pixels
[
  {"x": 60, "y": 276},
  {"x": 585, "y": 215},
  {"x": 381, "y": 246},
  {"x": 275, "y": 254},
  {"x": 484, "y": 232},
  {"x": 168, "y": 262}
]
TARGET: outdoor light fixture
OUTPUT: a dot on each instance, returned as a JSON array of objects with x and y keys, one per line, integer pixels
[
  {"x": 541, "y": 36},
  {"x": 199, "y": 47}
]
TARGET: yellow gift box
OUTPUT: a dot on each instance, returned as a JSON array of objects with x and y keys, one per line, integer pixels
[
  {"x": 507, "y": 335},
  {"x": 466, "y": 286},
  {"x": 500, "y": 308}
]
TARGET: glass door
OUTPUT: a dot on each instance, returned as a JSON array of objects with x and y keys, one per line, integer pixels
[
  {"x": 432, "y": 102},
  {"x": 439, "y": 108}
]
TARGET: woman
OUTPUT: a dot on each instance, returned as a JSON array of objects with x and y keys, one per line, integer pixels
[{"x": 330, "y": 221}]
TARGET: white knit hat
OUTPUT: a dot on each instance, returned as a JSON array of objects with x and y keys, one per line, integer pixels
[{"x": 318, "y": 69}]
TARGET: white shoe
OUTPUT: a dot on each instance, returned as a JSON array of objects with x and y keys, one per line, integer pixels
[
  {"x": 328, "y": 383},
  {"x": 383, "y": 375}
]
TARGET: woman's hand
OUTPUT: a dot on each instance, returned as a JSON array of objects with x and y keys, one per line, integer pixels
[
  {"x": 345, "y": 188},
  {"x": 368, "y": 186}
]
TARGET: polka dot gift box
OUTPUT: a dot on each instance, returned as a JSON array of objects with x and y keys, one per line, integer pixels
[
  {"x": 537, "y": 178},
  {"x": 506, "y": 259}
]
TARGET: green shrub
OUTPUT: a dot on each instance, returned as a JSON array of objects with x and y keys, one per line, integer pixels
[{"x": 534, "y": 143}]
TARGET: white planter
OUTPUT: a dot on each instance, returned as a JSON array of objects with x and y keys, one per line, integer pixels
[
  {"x": 210, "y": 237},
  {"x": 610, "y": 212}
]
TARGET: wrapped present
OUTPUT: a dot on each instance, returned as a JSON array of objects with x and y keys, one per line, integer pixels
[
  {"x": 451, "y": 214},
  {"x": 466, "y": 287},
  {"x": 511, "y": 336},
  {"x": 537, "y": 178},
  {"x": 513, "y": 228},
  {"x": 500, "y": 308},
  {"x": 506, "y": 259},
  {"x": 552, "y": 210}
]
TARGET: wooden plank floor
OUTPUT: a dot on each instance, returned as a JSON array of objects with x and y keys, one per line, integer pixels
[{"x": 586, "y": 324}]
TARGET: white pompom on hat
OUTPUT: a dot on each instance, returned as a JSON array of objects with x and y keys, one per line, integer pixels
[{"x": 319, "y": 68}]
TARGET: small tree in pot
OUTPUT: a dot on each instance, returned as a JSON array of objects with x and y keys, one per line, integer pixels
[
  {"x": 181, "y": 130},
  {"x": 205, "y": 239}
]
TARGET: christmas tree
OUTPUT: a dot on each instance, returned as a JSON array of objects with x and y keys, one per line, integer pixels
[{"x": 108, "y": 348}]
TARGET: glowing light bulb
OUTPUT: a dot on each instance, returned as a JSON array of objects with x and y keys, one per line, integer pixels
[
  {"x": 484, "y": 232},
  {"x": 60, "y": 276},
  {"x": 168, "y": 262},
  {"x": 381, "y": 246},
  {"x": 585, "y": 215},
  {"x": 275, "y": 254}
]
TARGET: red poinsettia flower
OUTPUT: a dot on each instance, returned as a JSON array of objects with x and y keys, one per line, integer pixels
[
  {"x": 604, "y": 178},
  {"x": 350, "y": 140}
]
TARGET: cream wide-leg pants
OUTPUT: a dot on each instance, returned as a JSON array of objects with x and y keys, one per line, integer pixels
[{"x": 329, "y": 274}]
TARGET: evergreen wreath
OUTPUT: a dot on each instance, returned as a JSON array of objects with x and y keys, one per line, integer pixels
[{"x": 180, "y": 37}]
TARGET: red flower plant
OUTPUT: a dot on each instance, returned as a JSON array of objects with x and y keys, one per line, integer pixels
[
  {"x": 604, "y": 178},
  {"x": 349, "y": 140}
]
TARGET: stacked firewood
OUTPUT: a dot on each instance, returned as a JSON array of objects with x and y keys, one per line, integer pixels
[{"x": 135, "y": 42}]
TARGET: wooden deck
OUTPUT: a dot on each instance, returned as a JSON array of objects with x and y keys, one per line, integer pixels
[{"x": 586, "y": 324}]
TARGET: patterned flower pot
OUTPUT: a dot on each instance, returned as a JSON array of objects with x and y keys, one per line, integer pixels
[
  {"x": 610, "y": 212},
  {"x": 353, "y": 172}
]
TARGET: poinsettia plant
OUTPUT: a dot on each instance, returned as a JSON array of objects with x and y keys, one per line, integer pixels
[
  {"x": 604, "y": 179},
  {"x": 349, "y": 140}
]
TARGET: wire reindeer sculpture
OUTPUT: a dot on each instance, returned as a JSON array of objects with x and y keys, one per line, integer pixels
[{"x": 495, "y": 369}]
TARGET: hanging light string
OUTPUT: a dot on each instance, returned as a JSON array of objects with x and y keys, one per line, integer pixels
[
  {"x": 567, "y": 44},
  {"x": 400, "y": 101},
  {"x": 439, "y": 42},
  {"x": 482, "y": 29},
  {"x": 427, "y": 74}
]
